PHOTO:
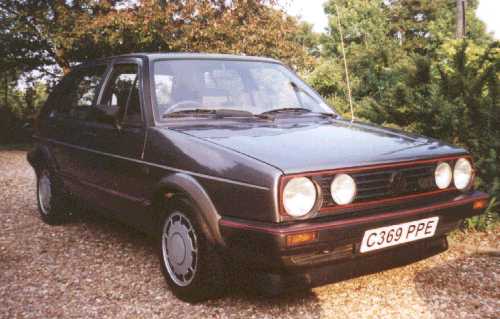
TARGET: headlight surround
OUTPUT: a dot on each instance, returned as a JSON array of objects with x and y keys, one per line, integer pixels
[
  {"x": 343, "y": 189},
  {"x": 299, "y": 196},
  {"x": 443, "y": 175},
  {"x": 462, "y": 174}
]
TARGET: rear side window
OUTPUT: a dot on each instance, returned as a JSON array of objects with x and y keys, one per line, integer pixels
[
  {"x": 77, "y": 93},
  {"x": 121, "y": 97}
]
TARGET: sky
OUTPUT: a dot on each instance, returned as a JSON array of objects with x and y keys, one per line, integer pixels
[{"x": 312, "y": 12}]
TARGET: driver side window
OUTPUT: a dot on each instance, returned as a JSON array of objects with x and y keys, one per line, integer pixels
[{"x": 121, "y": 97}]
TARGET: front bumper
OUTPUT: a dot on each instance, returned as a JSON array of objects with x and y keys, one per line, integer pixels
[{"x": 263, "y": 245}]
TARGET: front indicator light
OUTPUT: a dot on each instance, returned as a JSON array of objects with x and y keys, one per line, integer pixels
[
  {"x": 480, "y": 204},
  {"x": 301, "y": 239}
]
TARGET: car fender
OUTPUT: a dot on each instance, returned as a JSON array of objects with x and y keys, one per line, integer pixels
[
  {"x": 187, "y": 185},
  {"x": 41, "y": 154}
]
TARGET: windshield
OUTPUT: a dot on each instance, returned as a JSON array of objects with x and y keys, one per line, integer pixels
[{"x": 181, "y": 86}]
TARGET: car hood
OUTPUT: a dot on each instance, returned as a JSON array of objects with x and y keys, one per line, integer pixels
[{"x": 294, "y": 147}]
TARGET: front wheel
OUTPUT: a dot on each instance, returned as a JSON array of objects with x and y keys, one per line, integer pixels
[{"x": 190, "y": 265}]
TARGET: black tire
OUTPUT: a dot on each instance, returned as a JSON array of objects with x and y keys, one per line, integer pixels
[
  {"x": 205, "y": 282},
  {"x": 53, "y": 211}
]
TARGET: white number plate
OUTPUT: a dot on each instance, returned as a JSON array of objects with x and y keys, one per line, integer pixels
[{"x": 398, "y": 234}]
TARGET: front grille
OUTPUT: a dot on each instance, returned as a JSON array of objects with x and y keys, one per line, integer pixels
[{"x": 379, "y": 184}]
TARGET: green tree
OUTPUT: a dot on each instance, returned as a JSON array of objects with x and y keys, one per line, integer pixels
[
  {"x": 408, "y": 71},
  {"x": 39, "y": 33},
  {"x": 308, "y": 39}
]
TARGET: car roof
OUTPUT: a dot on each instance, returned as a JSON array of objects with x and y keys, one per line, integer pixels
[{"x": 179, "y": 56}]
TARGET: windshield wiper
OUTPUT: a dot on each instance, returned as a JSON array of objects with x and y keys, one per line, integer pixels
[
  {"x": 196, "y": 111},
  {"x": 298, "y": 110},
  {"x": 297, "y": 88},
  {"x": 232, "y": 113},
  {"x": 218, "y": 113},
  {"x": 332, "y": 115},
  {"x": 287, "y": 110}
]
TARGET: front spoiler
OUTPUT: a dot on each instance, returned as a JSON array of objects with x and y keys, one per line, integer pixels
[{"x": 263, "y": 245}]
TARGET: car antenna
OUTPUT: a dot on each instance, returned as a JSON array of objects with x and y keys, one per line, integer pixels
[{"x": 345, "y": 61}]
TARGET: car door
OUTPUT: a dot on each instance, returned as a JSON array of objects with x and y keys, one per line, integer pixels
[
  {"x": 118, "y": 141},
  {"x": 69, "y": 109}
]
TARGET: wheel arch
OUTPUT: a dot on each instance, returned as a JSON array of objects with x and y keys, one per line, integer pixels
[
  {"x": 180, "y": 184},
  {"x": 39, "y": 157}
]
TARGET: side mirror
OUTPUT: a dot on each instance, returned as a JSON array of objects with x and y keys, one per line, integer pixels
[
  {"x": 29, "y": 127},
  {"x": 107, "y": 114}
]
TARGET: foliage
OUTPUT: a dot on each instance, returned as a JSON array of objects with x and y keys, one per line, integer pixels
[
  {"x": 65, "y": 32},
  {"x": 39, "y": 33},
  {"x": 484, "y": 221},
  {"x": 407, "y": 71},
  {"x": 308, "y": 39},
  {"x": 21, "y": 107},
  {"x": 328, "y": 79}
]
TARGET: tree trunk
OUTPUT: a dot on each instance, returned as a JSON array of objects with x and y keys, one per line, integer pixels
[
  {"x": 460, "y": 26},
  {"x": 6, "y": 93}
]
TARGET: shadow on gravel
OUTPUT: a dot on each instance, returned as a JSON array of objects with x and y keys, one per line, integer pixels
[
  {"x": 467, "y": 287},
  {"x": 241, "y": 287},
  {"x": 101, "y": 225}
]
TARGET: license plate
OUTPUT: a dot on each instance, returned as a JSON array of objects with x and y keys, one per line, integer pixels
[{"x": 393, "y": 235}]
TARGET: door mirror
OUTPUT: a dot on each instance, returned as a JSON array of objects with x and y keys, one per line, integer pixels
[
  {"x": 107, "y": 114},
  {"x": 102, "y": 113},
  {"x": 29, "y": 127}
]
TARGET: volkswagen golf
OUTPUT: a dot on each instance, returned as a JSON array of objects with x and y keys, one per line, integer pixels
[{"x": 233, "y": 161}]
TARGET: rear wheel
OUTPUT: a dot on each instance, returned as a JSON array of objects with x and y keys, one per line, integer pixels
[
  {"x": 189, "y": 263},
  {"x": 50, "y": 198}
]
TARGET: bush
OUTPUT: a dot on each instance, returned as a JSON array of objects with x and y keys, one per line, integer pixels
[
  {"x": 455, "y": 99},
  {"x": 18, "y": 108}
]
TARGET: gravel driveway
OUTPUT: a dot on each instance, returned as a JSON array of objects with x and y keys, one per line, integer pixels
[{"x": 96, "y": 268}]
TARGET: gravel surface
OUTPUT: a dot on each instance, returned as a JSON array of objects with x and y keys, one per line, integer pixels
[{"x": 96, "y": 268}]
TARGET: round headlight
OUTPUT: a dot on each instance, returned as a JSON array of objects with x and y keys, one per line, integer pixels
[
  {"x": 343, "y": 189},
  {"x": 443, "y": 175},
  {"x": 462, "y": 173},
  {"x": 299, "y": 196}
]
